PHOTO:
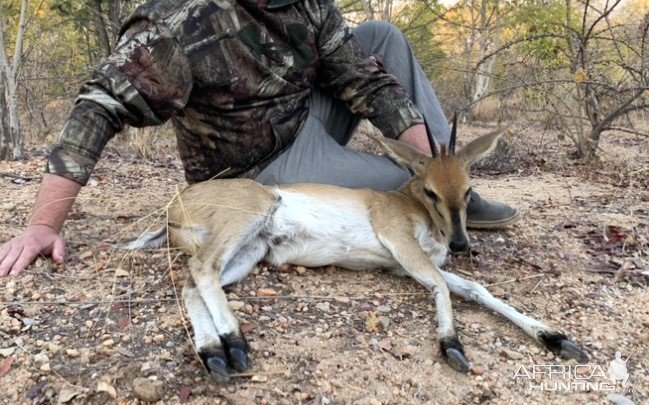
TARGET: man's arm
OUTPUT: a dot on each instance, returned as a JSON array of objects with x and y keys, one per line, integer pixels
[
  {"x": 416, "y": 137},
  {"x": 347, "y": 72},
  {"x": 144, "y": 82},
  {"x": 52, "y": 206}
]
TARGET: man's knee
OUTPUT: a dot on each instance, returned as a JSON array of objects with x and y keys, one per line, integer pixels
[{"x": 373, "y": 34}]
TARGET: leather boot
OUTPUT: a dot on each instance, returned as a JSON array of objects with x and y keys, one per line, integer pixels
[{"x": 484, "y": 214}]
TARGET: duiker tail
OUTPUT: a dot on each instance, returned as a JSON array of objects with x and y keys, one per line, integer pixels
[{"x": 148, "y": 240}]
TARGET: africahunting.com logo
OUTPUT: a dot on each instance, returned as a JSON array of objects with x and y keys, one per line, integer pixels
[{"x": 580, "y": 377}]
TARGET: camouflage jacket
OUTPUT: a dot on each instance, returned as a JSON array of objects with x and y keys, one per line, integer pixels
[{"x": 234, "y": 76}]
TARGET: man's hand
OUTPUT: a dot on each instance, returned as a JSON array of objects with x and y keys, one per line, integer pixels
[
  {"x": 416, "y": 137},
  {"x": 53, "y": 203},
  {"x": 22, "y": 250}
]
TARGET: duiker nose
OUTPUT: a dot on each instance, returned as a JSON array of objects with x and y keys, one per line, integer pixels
[{"x": 459, "y": 245}]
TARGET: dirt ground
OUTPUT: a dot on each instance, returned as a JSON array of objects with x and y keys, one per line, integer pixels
[{"x": 87, "y": 331}]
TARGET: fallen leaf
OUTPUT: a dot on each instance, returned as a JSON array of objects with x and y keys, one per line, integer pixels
[
  {"x": 122, "y": 323},
  {"x": 124, "y": 352},
  {"x": 185, "y": 393},
  {"x": 67, "y": 394},
  {"x": 5, "y": 365},
  {"x": 121, "y": 273},
  {"x": 385, "y": 344},
  {"x": 7, "y": 352}
]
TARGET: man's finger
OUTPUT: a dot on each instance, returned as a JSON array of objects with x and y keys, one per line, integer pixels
[
  {"x": 4, "y": 249},
  {"x": 58, "y": 252},
  {"x": 26, "y": 258},
  {"x": 9, "y": 260}
]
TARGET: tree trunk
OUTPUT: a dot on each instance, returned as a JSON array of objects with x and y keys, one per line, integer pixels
[
  {"x": 11, "y": 142},
  {"x": 15, "y": 136},
  {"x": 484, "y": 70},
  {"x": 5, "y": 137},
  {"x": 100, "y": 29}
]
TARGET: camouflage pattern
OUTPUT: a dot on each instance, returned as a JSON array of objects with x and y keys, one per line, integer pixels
[{"x": 234, "y": 76}]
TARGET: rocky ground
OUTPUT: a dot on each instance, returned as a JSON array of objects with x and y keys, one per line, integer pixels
[{"x": 108, "y": 325}]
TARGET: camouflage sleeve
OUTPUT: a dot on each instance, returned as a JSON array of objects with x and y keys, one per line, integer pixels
[
  {"x": 144, "y": 82},
  {"x": 360, "y": 80}
]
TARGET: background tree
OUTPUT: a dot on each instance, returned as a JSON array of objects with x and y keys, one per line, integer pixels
[
  {"x": 595, "y": 76},
  {"x": 11, "y": 142}
]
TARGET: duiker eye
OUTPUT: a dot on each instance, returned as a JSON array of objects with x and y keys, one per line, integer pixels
[{"x": 431, "y": 194}]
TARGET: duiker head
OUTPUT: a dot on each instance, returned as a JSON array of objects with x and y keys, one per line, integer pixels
[{"x": 441, "y": 182}]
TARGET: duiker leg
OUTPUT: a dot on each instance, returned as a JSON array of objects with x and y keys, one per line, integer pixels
[
  {"x": 228, "y": 256},
  {"x": 553, "y": 340},
  {"x": 206, "y": 337},
  {"x": 417, "y": 265}
]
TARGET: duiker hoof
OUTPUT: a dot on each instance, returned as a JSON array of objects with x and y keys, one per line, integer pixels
[
  {"x": 559, "y": 344},
  {"x": 457, "y": 361},
  {"x": 239, "y": 359},
  {"x": 452, "y": 350},
  {"x": 236, "y": 348},
  {"x": 216, "y": 364}
]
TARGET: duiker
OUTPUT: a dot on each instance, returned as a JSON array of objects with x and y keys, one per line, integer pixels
[{"x": 228, "y": 226}]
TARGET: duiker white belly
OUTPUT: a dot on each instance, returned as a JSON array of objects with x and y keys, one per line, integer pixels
[{"x": 321, "y": 230}]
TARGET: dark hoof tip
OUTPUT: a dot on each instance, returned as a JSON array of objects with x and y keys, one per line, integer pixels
[
  {"x": 239, "y": 359},
  {"x": 559, "y": 344},
  {"x": 216, "y": 364},
  {"x": 571, "y": 350},
  {"x": 454, "y": 354},
  {"x": 457, "y": 361}
]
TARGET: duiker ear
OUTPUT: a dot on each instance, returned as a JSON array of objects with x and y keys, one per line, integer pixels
[
  {"x": 403, "y": 154},
  {"x": 479, "y": 148}
]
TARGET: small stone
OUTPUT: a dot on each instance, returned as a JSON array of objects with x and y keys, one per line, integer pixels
[
  {"x": 86, "y": 255},
  {"x": 9, "y": 207},
  {"x": 259, "y": 378},
  {"x": 53, "y": 348},
  {"x": 147, "y": 390},
  {"x": 644, "y": 338},
  {"x": 582, "y": 371},
  {"x": 108, "y": 343},
  {"x": 385, "y": 322},
  {"x": 510, "y": 354},
  {"x": 159, "y": 338},
  {"x": 301, "y": 271},
  {"x": 236, "y": 305},
  {"x": 88, "y": 324},
  {"x": 74, "y": 353},
  {"x": 45, "y": 368},
  {"x": 266, "y": 292},
  {"x": 41, "y": 359},
  {"x": 477, "y": 370},
  {"x": 107, "y": 388}
]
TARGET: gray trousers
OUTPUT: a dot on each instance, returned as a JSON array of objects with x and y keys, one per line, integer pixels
[{"x": 319, "y": 154}]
